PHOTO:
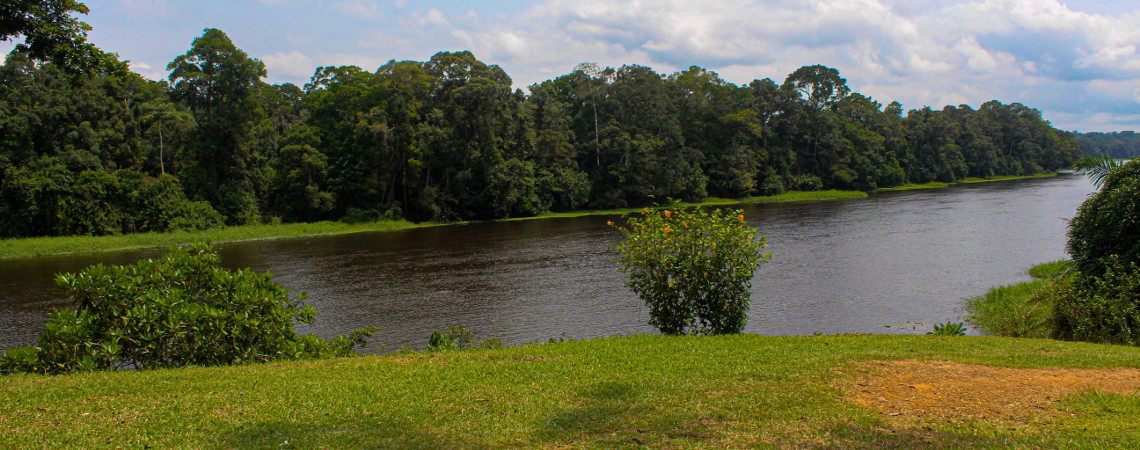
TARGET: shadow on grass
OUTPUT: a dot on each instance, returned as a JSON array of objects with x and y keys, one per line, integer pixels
[
  {"x": 917, "y": 436},
  {"x": 361, "y": 432},
  {"x": 602, "y": 409}
]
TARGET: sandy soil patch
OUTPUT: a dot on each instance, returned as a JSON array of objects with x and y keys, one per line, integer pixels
[{"x": 957, "y": 391}]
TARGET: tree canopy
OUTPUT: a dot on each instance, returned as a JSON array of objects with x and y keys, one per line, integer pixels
[
  {"x": 52, "y": 33},
  {"x": 449, "y": 139}
]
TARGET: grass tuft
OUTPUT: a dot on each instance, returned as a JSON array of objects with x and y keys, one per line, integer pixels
[{"x": 1021, "y": 309}]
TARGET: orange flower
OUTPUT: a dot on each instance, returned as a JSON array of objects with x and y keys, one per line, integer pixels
[
  {"x": 610, "y": 223},
  {"x": 668, "y": 213},
  {"x": 667, "y": 229},
  {"x": 741, "y": 217}
]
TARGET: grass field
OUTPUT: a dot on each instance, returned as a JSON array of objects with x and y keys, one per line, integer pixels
[{"x": 657, "y": 391}]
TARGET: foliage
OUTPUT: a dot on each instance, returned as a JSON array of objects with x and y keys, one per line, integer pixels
[
  {"x": 183, "y": 309},
  {"x": 1097, "y": 167},
  {"x": 52, "y": 33},
  {"x": 1103, "y": 308},
  {"x": 458, "y": 337},
  {"x": 1108, "y": 223},
  {"x": 1120, "y": 145},
  {"x": 45, "y": 198},
  {"x": 949, "y": 329},
  {"x": 448, "y": 139},
  {"x": 693, "y": 268},
  {"x": 217, "y": 81}
]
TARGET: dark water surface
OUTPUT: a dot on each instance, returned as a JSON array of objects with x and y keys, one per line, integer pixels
[{"x": 853, "y": 266}]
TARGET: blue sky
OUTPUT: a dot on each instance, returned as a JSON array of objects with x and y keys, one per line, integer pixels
[{"x": 1076, "y": 61}]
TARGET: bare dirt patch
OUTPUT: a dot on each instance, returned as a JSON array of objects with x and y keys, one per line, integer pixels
[{"x": 949, "y": 390}]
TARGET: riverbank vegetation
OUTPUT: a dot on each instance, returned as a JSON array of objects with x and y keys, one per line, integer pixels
[
  {"x": 1021, "y": 309},
  {"x": 1096, "y": 296},
  {"x": 449, "y": 139},
  {"x": 968, "y": 180},
  {"x": 660, "y": 391},
  {"x": 61, "y": 245}
]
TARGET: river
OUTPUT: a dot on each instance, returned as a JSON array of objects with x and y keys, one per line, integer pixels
[{"x": 877, "y": 265}]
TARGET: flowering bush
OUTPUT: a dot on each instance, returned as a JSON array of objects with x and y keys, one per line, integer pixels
[{"x": 693, "y": 268}]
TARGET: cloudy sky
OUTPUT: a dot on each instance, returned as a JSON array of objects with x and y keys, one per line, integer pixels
[{"x": 1077, "y": 61}]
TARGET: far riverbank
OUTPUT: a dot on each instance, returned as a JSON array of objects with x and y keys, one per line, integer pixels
[{"x": 64, "y": 245}]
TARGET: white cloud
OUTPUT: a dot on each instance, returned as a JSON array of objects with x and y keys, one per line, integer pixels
[
  {"x": 360, "y": 9},
  {"x": 1038, "y": 52},
  {"x": 434, "y": 17},
  {"x": 293, "y": 64},
  {"x": 148, "y": 71}
]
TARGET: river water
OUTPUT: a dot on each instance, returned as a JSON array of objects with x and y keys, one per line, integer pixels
[{"x": 886, "y": 264}]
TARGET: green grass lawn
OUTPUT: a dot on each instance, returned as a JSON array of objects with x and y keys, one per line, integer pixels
[{"x": 734, "y": 391}]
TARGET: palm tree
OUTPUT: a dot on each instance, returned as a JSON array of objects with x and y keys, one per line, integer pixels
[{"x": 1097, "y": 167}]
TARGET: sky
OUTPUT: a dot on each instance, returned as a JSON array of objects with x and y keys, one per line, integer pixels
[{"x": 1076, "y": 61}]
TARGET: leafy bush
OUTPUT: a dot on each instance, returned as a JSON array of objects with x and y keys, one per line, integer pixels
[
  {"x": 183, "y": 309},
  {"x": 1103, "y": 308},
  {"x": 804, "y": 183},
  {"x": 773, "y": 185},
  {"x": 1108, "y": 223},
  {"x": 694, "y": 269}
]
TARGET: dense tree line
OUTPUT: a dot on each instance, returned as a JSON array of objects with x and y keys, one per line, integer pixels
[
  {"x": 1119, "y": 145},
  {"x": 449, "y": 139}
]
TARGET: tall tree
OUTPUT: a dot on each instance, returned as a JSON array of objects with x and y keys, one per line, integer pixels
[{"x": 217, "y": 81}]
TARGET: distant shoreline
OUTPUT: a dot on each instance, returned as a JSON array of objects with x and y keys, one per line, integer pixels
[{"x": 72, "y": 245}]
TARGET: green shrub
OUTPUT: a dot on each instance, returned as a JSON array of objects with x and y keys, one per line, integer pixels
[
  {"x": 1103, "y": 308},
  {"x": 773, "y": 185},
  {"x": 194, "y": 216},
  {"x": 692, "y": 268},
  {"x": 180, "y": 310},
  {"x": 804, "y": 183},
  {"x": 1108, "y": 223}
]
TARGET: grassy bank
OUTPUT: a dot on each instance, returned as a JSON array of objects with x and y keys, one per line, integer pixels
[
  {"x": 30, "y": 247},
  {"x": 735, "y": 391},
  {"x": 971, "y": 180},
  {"x": 58, "y": 245},
  {"x": 1021, "y": 309},
  {"x": 787, "y": 197}
]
